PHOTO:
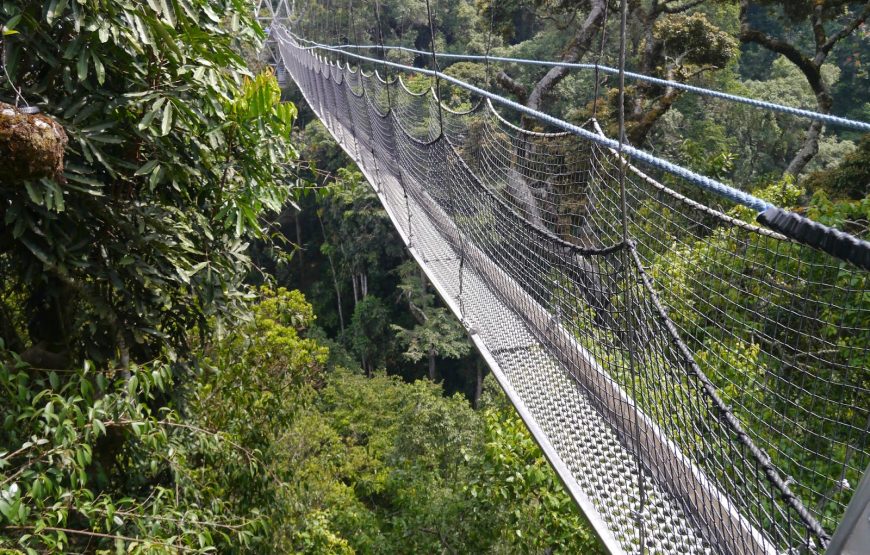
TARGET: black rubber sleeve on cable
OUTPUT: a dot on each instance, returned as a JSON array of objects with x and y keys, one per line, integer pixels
[{"x": 803, "y": 230}]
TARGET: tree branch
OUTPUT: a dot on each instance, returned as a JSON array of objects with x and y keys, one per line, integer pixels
[
  {"x": 807, "y": 66},
  {"x": 578, "y": 46},
  {"x": 848, "y": 29},
  {"x": 179, "y": 521},
  {"x": 781, "y": 47},
  {"x": 105, "y": 536},
  {"x": 220, "y": 437},
  {"x": 515, "y": 87},
  {"x": 818, "y": 25}
]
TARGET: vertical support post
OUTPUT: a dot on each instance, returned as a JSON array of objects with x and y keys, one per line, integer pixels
[
  {"x": 627, "y": 266},
  {"x": 436, "y": 68},
  {"x": 598, "y": 61}
]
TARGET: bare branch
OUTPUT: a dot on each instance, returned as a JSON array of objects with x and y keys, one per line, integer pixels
[
  {"x": 179, "y": 521},
  {"x": 847, "y": 29},
  {"x": 574, "y": 52},
  {"x": 515, "y": 87},
  {"x": 807, "y": 66}
]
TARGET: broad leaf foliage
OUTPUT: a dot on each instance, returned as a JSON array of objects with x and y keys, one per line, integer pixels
[{"x": 175, "y": 152}]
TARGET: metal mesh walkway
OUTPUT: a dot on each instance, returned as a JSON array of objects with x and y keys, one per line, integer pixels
[{"x": 696, "y": 388}]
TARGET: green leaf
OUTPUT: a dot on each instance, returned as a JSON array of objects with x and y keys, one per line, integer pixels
[
  {"x": 12, "y": 22},
  {"x": 166, "y": 124},
  {"x": 54, "y": 10},
  {"x": 82, "y": 65},
  {"x": 147, "y": 167},
  {"x": 168, "y": 12},
  {"x": 32, "y": 192},
  {"x": 98, "y": 68}
]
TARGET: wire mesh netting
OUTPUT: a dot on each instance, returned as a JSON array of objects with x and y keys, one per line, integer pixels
[{"x": 704, "y": 384}]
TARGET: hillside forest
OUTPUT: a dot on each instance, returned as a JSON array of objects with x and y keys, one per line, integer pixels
[{"x": 211, "y": 337}]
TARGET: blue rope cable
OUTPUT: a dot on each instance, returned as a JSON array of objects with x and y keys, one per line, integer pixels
[
  {"x": 800, "y": 112},
  {"x": 706, "y": 183}
]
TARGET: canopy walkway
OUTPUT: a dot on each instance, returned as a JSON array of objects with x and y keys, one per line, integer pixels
[{"x": 698, "y": 380}]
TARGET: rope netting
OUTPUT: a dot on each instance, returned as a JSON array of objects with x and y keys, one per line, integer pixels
[{"x": 703, "y": 384}]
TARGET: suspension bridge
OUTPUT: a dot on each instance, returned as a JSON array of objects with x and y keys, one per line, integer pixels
[{"x": 691, "y": 358}]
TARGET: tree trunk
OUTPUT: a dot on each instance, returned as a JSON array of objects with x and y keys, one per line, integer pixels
[
  {"x": 337, "y": 296},
  {"x": 808, "y": 151},
  {"x": 298, "y": 225},
  {"x": 353, "y": 278},
  {"x": 810, "y": 67},
  {"x": 810, "y": 148},
  {"x": 335, "y": 283},
  {"x": 478, "y": 386},
  {"x": 432, "y": 363},
  {"x": 124, "y": 357},
  {"x": 8, "y": 332},
  {"x": 638, "y": 131},
  {"x": 648, "y": 58}
]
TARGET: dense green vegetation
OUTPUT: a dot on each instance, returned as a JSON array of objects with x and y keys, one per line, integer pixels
[
  {"x": 264, "y": 449},
  {"x": 168, "y": 388}
]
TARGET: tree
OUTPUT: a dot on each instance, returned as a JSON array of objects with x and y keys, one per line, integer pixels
[
  {"x": 512, "y": 467},
  {"x": 369, "y": 332},
  {"x": 676, "y": 47},
  {"x": 175, "y": 152},
  {"x": 381, "y": 465},
  {"x": 357, "y": 231},
  {"x": 830, "y": 21},
  {"x": 850, "y": 180},
  {"x": 437, "y": 333},
  {"x": 113, "y": 254},
  {"x": 576, "y": 47}
]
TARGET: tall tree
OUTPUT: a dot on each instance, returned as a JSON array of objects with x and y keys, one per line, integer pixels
[
  {"x": 358, "y": 231},
  {"x": 578, "y": 44},
  {"x": 437, "y": 333},
  {"x": 830, "y": 21},
  {"x": 174, "y": 154},
  {"x": 675, "y": 46},
  {"x": 369, "y": 333}
]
